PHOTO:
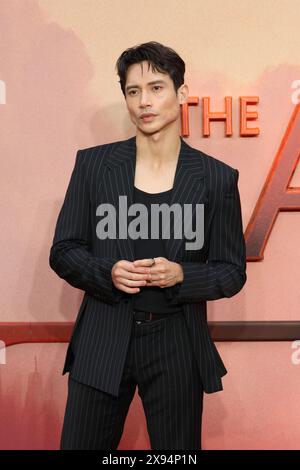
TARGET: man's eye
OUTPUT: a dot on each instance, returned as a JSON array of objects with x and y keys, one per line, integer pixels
[{"x": 157, "y": 87}]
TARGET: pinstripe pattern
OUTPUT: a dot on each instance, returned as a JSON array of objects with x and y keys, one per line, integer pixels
[
  {"x": 161, "y": 361},
  {"x": 99, "y": 344}
]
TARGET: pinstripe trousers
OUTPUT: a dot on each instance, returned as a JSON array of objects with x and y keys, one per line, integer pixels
[{"x": 160, "y": 361}]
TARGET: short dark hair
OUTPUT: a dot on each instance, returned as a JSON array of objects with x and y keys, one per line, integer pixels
[{"x": 163, "y": 59}]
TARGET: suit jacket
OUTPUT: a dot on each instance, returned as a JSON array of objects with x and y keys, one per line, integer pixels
[{"x": 101, "y": 334}]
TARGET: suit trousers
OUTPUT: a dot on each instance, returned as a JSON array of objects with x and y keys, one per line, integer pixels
[{"x": 161, "y": 363}]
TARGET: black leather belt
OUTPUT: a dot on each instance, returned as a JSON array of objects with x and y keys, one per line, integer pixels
[{"x": 141, "y": 316}]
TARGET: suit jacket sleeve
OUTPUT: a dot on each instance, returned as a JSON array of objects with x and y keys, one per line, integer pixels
[
  {"x": 70, "y": 254},
  {"x": 224, "y": 272}
]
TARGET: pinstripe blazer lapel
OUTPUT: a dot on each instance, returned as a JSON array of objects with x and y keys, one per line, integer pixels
[{"x": 188, "y": 188}]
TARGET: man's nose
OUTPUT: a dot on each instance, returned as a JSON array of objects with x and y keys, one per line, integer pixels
[{"x": 145, "y": 100}]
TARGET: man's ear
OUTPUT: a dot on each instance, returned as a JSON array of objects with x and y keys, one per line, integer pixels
[{"x": 183, "y": 93}]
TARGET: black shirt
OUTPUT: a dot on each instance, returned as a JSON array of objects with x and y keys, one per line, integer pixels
[{"x": 151, "y": 298}]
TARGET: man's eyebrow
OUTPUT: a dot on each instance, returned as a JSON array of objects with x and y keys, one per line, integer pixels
[{"x": 149, "y": 83}]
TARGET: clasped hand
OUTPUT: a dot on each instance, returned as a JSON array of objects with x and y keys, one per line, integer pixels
[{"x": 129, "y": 276}]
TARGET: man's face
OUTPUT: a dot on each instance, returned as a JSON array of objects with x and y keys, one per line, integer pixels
[{"x": 158, "y": 98}]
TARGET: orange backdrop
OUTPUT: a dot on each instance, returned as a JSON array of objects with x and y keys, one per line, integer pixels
[{"x": 59, "y": 92}]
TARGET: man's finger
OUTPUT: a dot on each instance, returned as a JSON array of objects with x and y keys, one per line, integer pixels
[
  {"x": 138, "y": 269},
  {"x": 134, "y": 275},
  {"x": 128, "y": 266},
  {"x": 144, "y": 262}
]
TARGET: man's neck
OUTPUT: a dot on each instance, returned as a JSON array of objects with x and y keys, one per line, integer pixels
[{"x": 158, "y": 149}]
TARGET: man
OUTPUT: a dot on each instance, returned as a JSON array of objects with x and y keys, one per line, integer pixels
[{"x": 143, "y": 318}]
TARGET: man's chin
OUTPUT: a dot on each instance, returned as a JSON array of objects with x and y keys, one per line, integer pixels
[{"x": 148, "y": 132}]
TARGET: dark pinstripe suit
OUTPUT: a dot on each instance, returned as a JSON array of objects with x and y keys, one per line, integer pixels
[{"x": 97, "y": 351}]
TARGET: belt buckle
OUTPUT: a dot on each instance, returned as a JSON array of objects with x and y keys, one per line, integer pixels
[
  {"x": 146, "y": 319},
  {"x": 149, "y": 318}
]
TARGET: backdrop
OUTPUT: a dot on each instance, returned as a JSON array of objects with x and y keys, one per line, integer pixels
[{"x": 59, "y": 92}]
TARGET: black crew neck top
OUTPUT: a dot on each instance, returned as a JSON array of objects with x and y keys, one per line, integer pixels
[{"x": 151, "y": 298}]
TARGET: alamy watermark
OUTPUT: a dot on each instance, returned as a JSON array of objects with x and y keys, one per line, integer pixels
[
  {"x": 296, "y": 94},
  {"x": 295, "y": 358},
  {"x": 138, "y": 227},
  {"x": 2, "y": 352}
]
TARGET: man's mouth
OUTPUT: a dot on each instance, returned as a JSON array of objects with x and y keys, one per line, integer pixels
[{"x": 148, "y": 117}]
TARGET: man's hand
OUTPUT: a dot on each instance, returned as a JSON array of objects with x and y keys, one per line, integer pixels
[
  {"x": 163, "y": 273},
  {"x": 128, "y": 278}
]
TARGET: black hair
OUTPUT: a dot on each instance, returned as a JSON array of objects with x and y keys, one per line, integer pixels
[{"x": 162, "y": 59}]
